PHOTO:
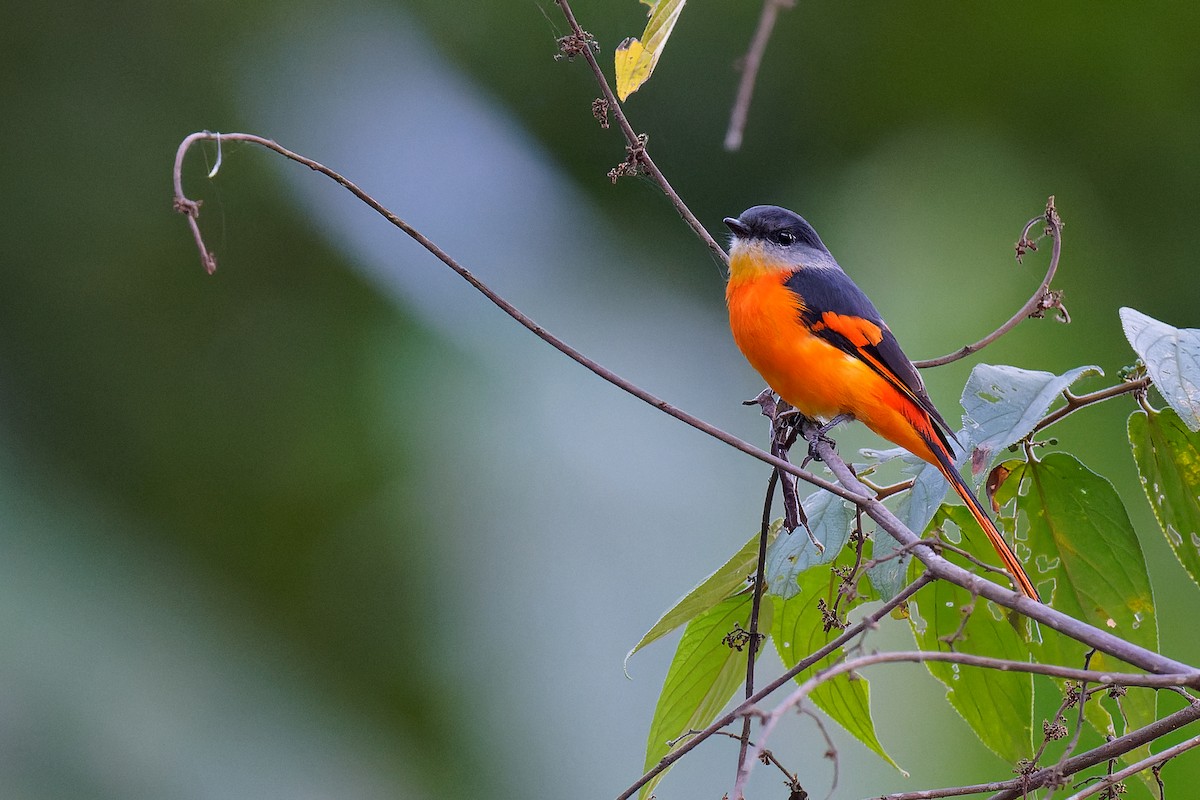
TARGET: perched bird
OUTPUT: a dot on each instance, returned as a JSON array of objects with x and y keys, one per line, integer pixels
[{"x": 821, "y": 345}]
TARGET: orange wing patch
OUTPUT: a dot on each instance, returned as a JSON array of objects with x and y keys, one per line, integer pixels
[{"x": 858, "y": 331}]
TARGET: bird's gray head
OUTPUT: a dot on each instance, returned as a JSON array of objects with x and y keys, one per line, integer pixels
[{"x": 770, "y": 238}]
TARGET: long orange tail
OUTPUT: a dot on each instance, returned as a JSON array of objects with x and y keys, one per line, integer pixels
[{"x": 1011, "y": 562}]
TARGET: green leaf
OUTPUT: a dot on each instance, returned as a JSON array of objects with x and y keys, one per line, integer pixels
[
  {"x": 1004, "y": 403},
  {"x": 997, "y": 705},
  {"x": 702, "y": 677},
  {"x": 1172, "y": 357},
  {"x": 799, "y": 631},
  {"x": 635, "y": 59},
  {"x": 1168, "y": 462},
  {"x": 830, "y": 518},
  {"x": 1082, "y": 539},
  {"x": 728, "y": 580}
]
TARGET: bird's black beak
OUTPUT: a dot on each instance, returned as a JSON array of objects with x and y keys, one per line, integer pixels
[{"x": 739, "y": 229}]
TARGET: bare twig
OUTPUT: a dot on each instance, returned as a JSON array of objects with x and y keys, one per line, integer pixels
[
  {"x": 1036, "y": 305},
  {"x": 1106, "y": 752},
  {"x": 749, "y": 67},
  {"x": 831, "y": 752},
  {"x": 952, "y": 791},
  {"x": 1016, "y": 788},
  {"x": 191, "y": 209},
  {"x": 767, "y": 756},
  {"x": 1084, "y": 696},
  {"x": 635, "y": 142}
]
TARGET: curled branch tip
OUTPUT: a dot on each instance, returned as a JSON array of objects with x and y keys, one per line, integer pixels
[{"x": 1042, "y": 299}]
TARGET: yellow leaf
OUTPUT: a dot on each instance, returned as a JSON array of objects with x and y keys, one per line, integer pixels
[
  {"x": 633, "y": 67},
  {"x": 635, "y": 59}
]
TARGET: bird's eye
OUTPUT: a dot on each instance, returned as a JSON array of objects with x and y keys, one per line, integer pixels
[{"x": 785, "y": 238}]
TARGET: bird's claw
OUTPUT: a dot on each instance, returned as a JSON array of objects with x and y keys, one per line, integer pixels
[{"x": 816, "y": 435}]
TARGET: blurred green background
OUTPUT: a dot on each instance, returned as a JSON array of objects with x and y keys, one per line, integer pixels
[{"x": 327, "y": 525}]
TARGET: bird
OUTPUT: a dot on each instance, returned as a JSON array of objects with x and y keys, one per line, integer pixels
[{"x": 822, "y": 346}]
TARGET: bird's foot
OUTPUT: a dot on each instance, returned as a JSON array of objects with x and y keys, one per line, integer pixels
[{"x": 816, "y": 435}]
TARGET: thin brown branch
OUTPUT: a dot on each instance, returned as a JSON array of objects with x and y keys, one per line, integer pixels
[
  {"x": 831, "y": 752},
  {"x": 635, "y": 143},
  {"x": 1084, "y": 696},
  {"x": 750, "y": 66},
  {"x": 883, "y": 492},
  {"x": 767, "y": 756},
  {"x": 1041, "y": 300},
  {"x": 191, "y": 209},
  {"x": 1187, "y": 677}
]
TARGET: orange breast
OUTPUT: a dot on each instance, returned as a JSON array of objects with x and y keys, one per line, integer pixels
[
  {"x": 808, "y": 372},
  {"x": 811, "y": 374}
]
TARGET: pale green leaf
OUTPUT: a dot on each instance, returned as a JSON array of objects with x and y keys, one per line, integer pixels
[
  {"x": 830, "y": 518},
  {"x": 1172, "y": 357},
  {"x": 799, "y": 631},
  {"x": 887, "y": 574},
  {"x": 727, "y": 580},
  {"x": 703, "y": 675}
]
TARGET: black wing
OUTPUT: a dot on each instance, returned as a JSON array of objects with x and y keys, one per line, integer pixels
[{"x": 835, "y": 309}]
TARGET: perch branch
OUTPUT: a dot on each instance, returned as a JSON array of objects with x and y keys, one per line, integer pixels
[{"x": 849, "y": 487}]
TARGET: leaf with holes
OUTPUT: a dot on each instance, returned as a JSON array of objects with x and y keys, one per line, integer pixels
[
  {"x": 1168, "y": 462},
  {"x": 1004, "y": 403},
  {"x": 1172, "y": 357},
  {"x": 1084, "y": 543}
]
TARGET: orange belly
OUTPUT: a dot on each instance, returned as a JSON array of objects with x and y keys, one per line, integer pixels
[{"x": 810, "y": 373}]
